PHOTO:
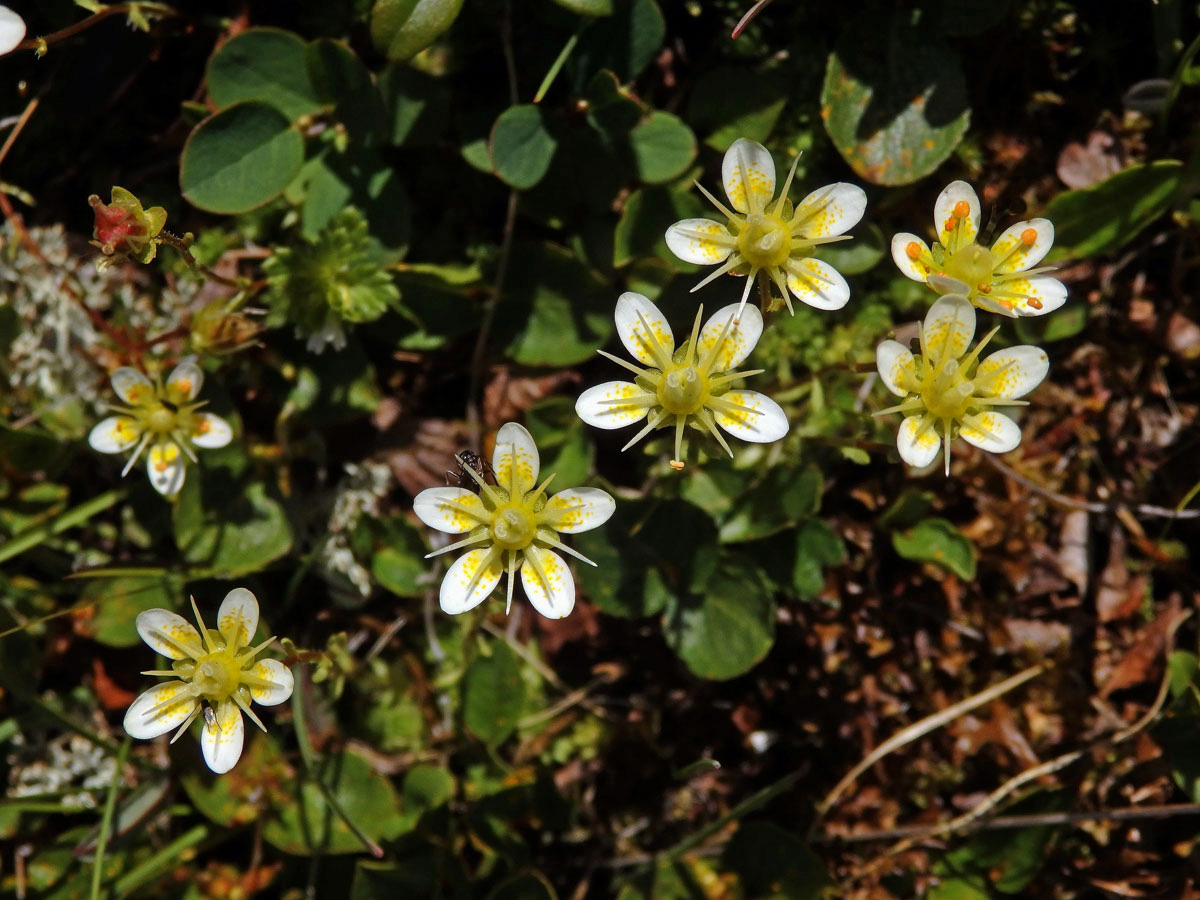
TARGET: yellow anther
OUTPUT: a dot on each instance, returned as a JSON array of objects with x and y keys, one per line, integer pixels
[
  {"x": 962, "y": 209},
  {"x": 1029, "y": 237}
]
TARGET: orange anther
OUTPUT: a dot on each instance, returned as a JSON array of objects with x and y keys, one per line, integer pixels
[
  {"x": 1029, "y": 237},
  {"x": 913, "y": 249},
  {"x": 676, "y": 464},
  {"x": 1035, "y": 302},
  {"x": 962, "y": 209},
  {"x": 984, "y": 288}
]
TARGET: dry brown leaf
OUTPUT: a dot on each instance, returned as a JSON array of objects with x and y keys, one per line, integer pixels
[
  {"x": 1116, "y": 597},
  {"x": 507, "y": 395},
  {"x": 1073, "y": 557},
  {"x": 1138, "y": 663},
  {"x": 422, "y": 453},
  {"x": 1046, "y": 638},
  {"x": 1081, "y": 166}
]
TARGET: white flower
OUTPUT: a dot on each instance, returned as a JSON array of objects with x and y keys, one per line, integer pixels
[
  {"x": 949, "y": 394},
  {"x": 688, "y": 386},
  {"x": 216, "y": 673},
  {"x": 776, "y": 242},
  {"x": 1000, "y": 280},
  {"x": 163, "y": 418},
  {"x": 12, "y": 30},
  {"x": 511, "y": 525}
]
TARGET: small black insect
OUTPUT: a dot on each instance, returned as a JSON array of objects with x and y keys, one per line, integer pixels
[{"x": 469, "y": 459}]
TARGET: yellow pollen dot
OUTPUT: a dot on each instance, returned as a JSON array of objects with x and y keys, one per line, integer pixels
[
  {"x": 1029, "y": 236},
  {"x": 913, "y": 250},
  {"x": 962, "y": 209}
]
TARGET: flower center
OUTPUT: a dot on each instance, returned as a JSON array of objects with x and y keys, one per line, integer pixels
[
  {"x": 946, "y": 392},
  {"x": 161, "y": 420},
  {"x": 766, "y": 241},
  {"x": 972, "y": 265},
  {"x": 217, "y": 675},
  {"x": 513, "y": 526},
  {"x": 682, "y": 390}
]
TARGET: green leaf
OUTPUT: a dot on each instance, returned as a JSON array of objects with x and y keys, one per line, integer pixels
[
  {"x": 418, "y": 106},
  {"x": 520, "y": 146},
  {"x": 818, "y": 546},
  {"x": 731, "y": 102},
  {"x": 493, "y": 695},
  {"x": 783, "y": 497},
  {"x": 729, "y": 629},
  {"x": 645, "y": 217},
  {"x": 525, "y": 886},
  {"x": 400, "y": 29},
  {"x": 1182, "y": 667},
  {"x": 1178, "y": 733},
  {"x": 894, "y": 99},
  {"x": 936, "y": 540},
  {"x": 856, "y": 256},
  {"x": 1106, "y": 216},
  {"x": 229, "y": 526},
  {"x": 118, "y": 602},
  {"x": 663, "y": 147},
  {"x": 343, "y": 82},
  {"x": 774, "y": 864},
  {"x": 1065, "y": 323},
  {"x": 1008, "y": 859},
  {"x": 956, "y": 889},
  {"x": 400, "y": 565},
  {"x": 426, "y": 787},
  {"x": 267, "y": 64},
  {"x": 588, "y": 7},
  {"x": 625, "y": 41},
  {"x": 562, "y": 441},
  {"x": 240, "y": 158}
]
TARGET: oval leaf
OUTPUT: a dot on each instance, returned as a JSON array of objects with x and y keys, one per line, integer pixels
[
  {"x": 403, "y": 28},
  {"x": 267, "y": 64},
  {"x": 240, "y": 158},
  {"x": 493, "y": 693},
  {"x": 663, "y": 147},
  {"x": 520, "y": 146}
]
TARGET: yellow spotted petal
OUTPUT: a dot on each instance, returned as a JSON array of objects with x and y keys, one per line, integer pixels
[
  {"x": 169, "y": 634},
  {"x": 278, "y": 682},
  {"x": 221, "y": 741},
  {"x": 911, "y": 256},
  {"x": 1034, "y": 295},
  {"x": 748, "y": 174},
  {"x": 210, "y": 431},
  {"x": 593, "y": 405},
  {"x": 515, "y": 459},
  {"x": 700, "y": 241},
  {"x": 450, "y": 509},
  {"x": 955, "y": 230},
  {"x": 918, "y": 441},
  {"x": 897, "y": 368},
  {"x": 161, "y": 709},
  {"x": 237, "y": 619},
  {"x": 758, "y": 418},
  {"x": 817, "y": 283},
  {"x": 991, "y": 431},
  {"x": 183, "y": 384},
  {"x": 1022, "y": 246},
  {"x": 948, "y": 328},
  {"x": 469, "y": 581},
  {"x": 1012, "y": 373},
  {"x": 132, "y": 386},
  {"x": 548, "y": 582},
  {"x": 579, "y": 509},
  {"x": 114, "y": 434},
  {"x": 165, "y": 465},
  {"x": 739, "y": 339},
  {"x": 653, "y": 347},
  {"x": 828, "y": 211}
]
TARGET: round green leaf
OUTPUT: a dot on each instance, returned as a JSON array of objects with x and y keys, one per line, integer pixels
[
  {"x": 729, "y": 629},
  {"x": 118, "y": 602},
  {"x": 401, "y": 29},
  {"x": 493, "y": 694},
  {"x": 228, "y": 526},
  {"x": 663, "y": 147},
  {"x": 267, "y": 64},
  {"x": 894, "y": 100},
  {"x": 936, "y": 540},
  {"x": 520, "y": 146},
  {"x": 240, "y": 158}
]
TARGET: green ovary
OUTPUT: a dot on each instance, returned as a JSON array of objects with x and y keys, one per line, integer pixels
[
  {"x": 946, "y": 393},
  {"x": 765, "y": 242},
  {"x": 513, "y": 526},
  {"x": 217, "y": 675},
  {"x": 160, "y": 420},
  {"x": 973, "y": 266},
  {"x": 683, "y": 390}
]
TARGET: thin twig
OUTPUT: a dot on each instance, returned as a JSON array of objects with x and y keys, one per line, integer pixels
[{"x": 38, "y": 43}]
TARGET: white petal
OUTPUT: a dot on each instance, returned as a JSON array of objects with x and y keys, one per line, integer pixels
[
  {"x": 740, "y": 338},
  {"x": 553, "y": 596},
  {"x": 1013, "y": 372},
  {"x": 700, "y": 241},
  {"x": 183, "y": 384},
  {"x": 918, "y": 450},
  {"x": 237, "y": 619},
  {"x": 944, "y": 218},
  {"x": 280, "y": 677},
  {"x": 132, "y": 386},
  {"x": 453, "y": 510},
  {"x": 767, "y": 423},
  {"x": 748, "y": 170},
  {"x": 210, "y": 431},
  {"x": 1035, "y": 295},
  {"x": 169, "y": 634},
  {"x": 579, "y": 509},
  {"x": 897, "y": 368},
  {"x": 12, "y": 30},
  {"x": 911, "y": 256},
  {"x": 948, "y": 328},
  {"x": 831, "y": 210},
  {"x": 991, "y": 431},
  {"x": 650, "y": 349},
  {"x": 165, "y": 463},
  {"x": 458, "y": 593},
  {"x": 222, "y": 741},
  {"x": 147, "y": 718},
  {"x": 114, "y": 434},
  {"x": 1022, "y": 246},
  {"x": 515, "y": 459},
  {"x": 817, "y": 283},
  {"x": 592, "y": 409}
]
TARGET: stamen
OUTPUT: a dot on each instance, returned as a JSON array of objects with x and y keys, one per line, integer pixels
[
  {"x": 244, "y": 706},
  {"x": 186, "y": 722},
  {"x": 677, "y": 462},
  {"x": 457, "y": 545},
  {"x": 729, "y": 265},
  {"x": 638, "y": 402},
  {"x": 1029, "y": 237},
  {"x": 136, "y": 453},
  {"x": 692, "y": 349},
  {"x": 804, "y": 213},
  {"x": 483, "y": 486},
  {"x": 962, "y": 209},
  {"x": 650, "y": 426},
  {"x": 734, "y": 376},
  {"x": 711, "y": 356},
  {"x": 660, "y": 356},
  {"x": 710, "y": 423},
  {"x": 204, "y": 635},
  {"x": 559, "y": 545},
  {"x": 965, "y": 363},
  {"x": 512, "y": 574},
  {"x": 787, "y": 185},
  {"x": 725, "y": 210},
  {"x": 532, "y": 498},
  {"x": 637, "y": 370},
  {"x": 725, "y": 240},
  {"x": 913, "y": 250},
  {"x": 751, "y": 199},
  {"x": 737, "y": 316}
]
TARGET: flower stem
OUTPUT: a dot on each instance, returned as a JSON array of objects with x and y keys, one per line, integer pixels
[{"x": 106, "y": 820}]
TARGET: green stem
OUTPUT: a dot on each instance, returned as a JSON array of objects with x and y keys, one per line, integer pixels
[
  {"x": 160, "y": 862},
  {"x": 552, "y": 73},
  {"x": 110, "y": 807},
  {"x": 751, "y": 803},
  {"x": 31, "y": 537}
]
